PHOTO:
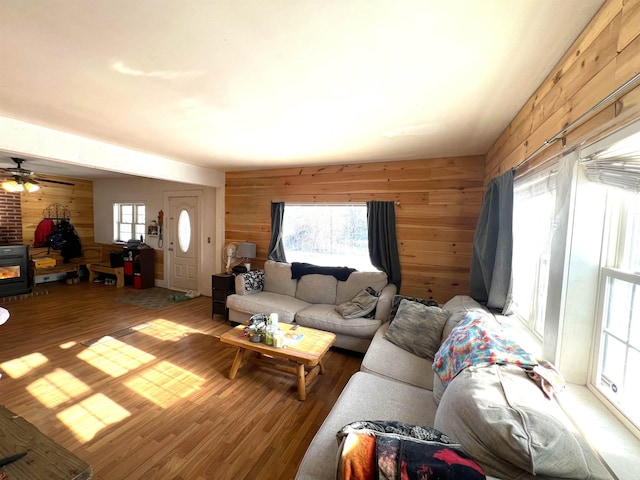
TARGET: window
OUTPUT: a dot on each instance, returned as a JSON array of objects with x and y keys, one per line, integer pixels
[
  {"x": 576, "y": 267},
  {"x": 328, "y": 235},
  {"x": 533, "y": 215},
  {"x": 184, "y": 230},
  {"x": 616, "y": 356},
  {"x": 618, "y": 352},
  {"x": 128, "y": 221}
]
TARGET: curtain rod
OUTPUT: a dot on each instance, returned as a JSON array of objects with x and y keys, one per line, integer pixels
[{"x": 560, "y": 135}]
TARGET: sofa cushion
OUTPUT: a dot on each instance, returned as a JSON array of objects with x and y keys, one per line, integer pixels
[
  {"x": 398, "y": 298},
  {"x": 325, "y": 317},
  {"x": 364, "y": 396},
  {"x": 503, "y": 420},
  {"x": 388, "y": 360},
  {"x": 277, "y": 278},
  {"x": 359, "y": 306},
  {"x": 267, "y": 302},
  {"x": 357, "y": 282},
  {"x": 438, "y": 389},
  {"x": 463, "y": 303},
  {"x": 458, "y": 307},
  {"x": 453, "y": 321},
  {"x": 417, "y": 328},
  {"x": 315, "y": 288}
]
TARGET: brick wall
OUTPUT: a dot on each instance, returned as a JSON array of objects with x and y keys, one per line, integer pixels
[{"x": 10, "y": 219}]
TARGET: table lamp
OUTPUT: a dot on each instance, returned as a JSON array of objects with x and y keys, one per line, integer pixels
[{"x": 247, "y": 251}]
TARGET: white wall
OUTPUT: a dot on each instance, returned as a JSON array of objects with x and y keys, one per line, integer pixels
[{"x": 151, "y": 192}]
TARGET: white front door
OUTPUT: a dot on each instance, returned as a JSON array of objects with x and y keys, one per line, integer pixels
[{"x": 183, "y": 243}]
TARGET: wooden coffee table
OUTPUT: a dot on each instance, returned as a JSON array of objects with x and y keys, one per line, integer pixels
[{"x": 307, "y": 353}]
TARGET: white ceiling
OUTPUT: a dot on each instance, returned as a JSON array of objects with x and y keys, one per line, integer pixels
[{"x": 247, "y": 84}]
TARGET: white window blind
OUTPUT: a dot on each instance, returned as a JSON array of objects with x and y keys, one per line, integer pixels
[{"x": 618, "y": 164}]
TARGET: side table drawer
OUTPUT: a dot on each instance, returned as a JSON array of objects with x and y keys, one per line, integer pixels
[{"x": 222, "y": 285}]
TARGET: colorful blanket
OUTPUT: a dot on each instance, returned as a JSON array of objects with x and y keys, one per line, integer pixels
[
  {"x": 373, "y": 450},
  {"x": 476, "y": 342}
]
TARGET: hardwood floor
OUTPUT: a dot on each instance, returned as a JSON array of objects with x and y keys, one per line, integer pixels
[{"x": 155, "y": 402}]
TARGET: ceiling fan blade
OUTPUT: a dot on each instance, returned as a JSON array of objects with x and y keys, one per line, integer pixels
[{"x": 55, "y": 181}]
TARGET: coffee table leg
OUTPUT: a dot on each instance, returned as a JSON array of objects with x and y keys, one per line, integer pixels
[
  {"x": 236, "y": 363},
  {"x": 302, "y": 387}
]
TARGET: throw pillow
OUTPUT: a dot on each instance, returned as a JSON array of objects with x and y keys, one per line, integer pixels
[
  {"x": 253, "y": 281},
  {"x": 395, "y": 450},
  {"x": 360, "y": 305},
  {"x": 504, "y": 421},
  {"x": 417, "y": 328},
  {"x": 398, "y": 298}
]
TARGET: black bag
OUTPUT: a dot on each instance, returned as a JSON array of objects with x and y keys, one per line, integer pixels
[
  {"x": 72, "y": 247},
  {"x": 116, "y": 259},
  {"x": 56, "y": 241}
]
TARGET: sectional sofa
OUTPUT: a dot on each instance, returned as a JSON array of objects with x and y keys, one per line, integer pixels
[
  {"x": 503, "y": 419},
  {"x": 311, "y": 300}
]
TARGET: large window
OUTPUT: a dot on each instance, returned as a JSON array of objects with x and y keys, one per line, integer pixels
[
  {"x": 328, "y": 235},
  {"x": 576, "y": 266},
  {"x": 616, "y": 357},
  {"x": 533, "y": 215},
  {"x": 128, "y": 221},
  {"x": 618, "y": 346}
]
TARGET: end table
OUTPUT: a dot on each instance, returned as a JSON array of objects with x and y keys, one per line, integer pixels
[{"x": 222, "y": 285}]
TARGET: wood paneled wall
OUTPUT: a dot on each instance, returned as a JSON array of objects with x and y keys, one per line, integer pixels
[
  {"x": 604, "y": 57},
  {"x": 77, "y": 198},
  {"x": 439, "y": 203}
]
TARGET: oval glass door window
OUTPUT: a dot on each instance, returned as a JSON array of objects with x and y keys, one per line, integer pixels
[{"x": 184, "y": 230}]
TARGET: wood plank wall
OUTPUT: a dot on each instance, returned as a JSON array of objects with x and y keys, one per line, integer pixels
[
  {"x": 604, "y": 57},
  {"x": 77, "y": 198},
  {"x": 439, "y": 203}
]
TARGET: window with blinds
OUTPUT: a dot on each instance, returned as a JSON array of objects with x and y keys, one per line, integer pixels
[
  {"x": 618, "y": 164},
  {"x": 614, "y": 162}
]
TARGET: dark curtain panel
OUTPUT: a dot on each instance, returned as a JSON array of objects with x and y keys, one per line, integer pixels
[
  {"x": 490, "y": 277},
  {"x": 383, "y": 245},
  {"x": 276, "y": 248}
]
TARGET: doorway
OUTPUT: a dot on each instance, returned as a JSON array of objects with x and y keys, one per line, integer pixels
[{"x": 184, "y": 243}]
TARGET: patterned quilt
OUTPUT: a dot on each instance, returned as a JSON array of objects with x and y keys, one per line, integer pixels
[{"x": 476, "y": 342}]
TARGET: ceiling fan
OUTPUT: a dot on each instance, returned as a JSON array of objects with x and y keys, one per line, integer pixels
[{"x": 24, "y": 179}]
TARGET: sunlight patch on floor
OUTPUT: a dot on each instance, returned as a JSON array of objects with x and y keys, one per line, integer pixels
[
  {"x": 68, "y": 345},
  {"x": 114, "y": 357},
  {"x": 57, "y": 387},
  {"x": 165, "y": 383},
  {"x": 167, "y": 330},
  {"x": 88, "y": 417},
  {"x": 19, "y": 367}
]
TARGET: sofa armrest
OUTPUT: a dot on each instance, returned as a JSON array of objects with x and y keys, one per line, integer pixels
[
  {"x": 383, "y": 307},
  {"x": 249, "y": 282}
]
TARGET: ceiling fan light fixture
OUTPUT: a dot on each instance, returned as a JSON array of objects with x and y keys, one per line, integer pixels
[
  {"x": 12, "y": 186},
  {"x": 31, "y": 187}
]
